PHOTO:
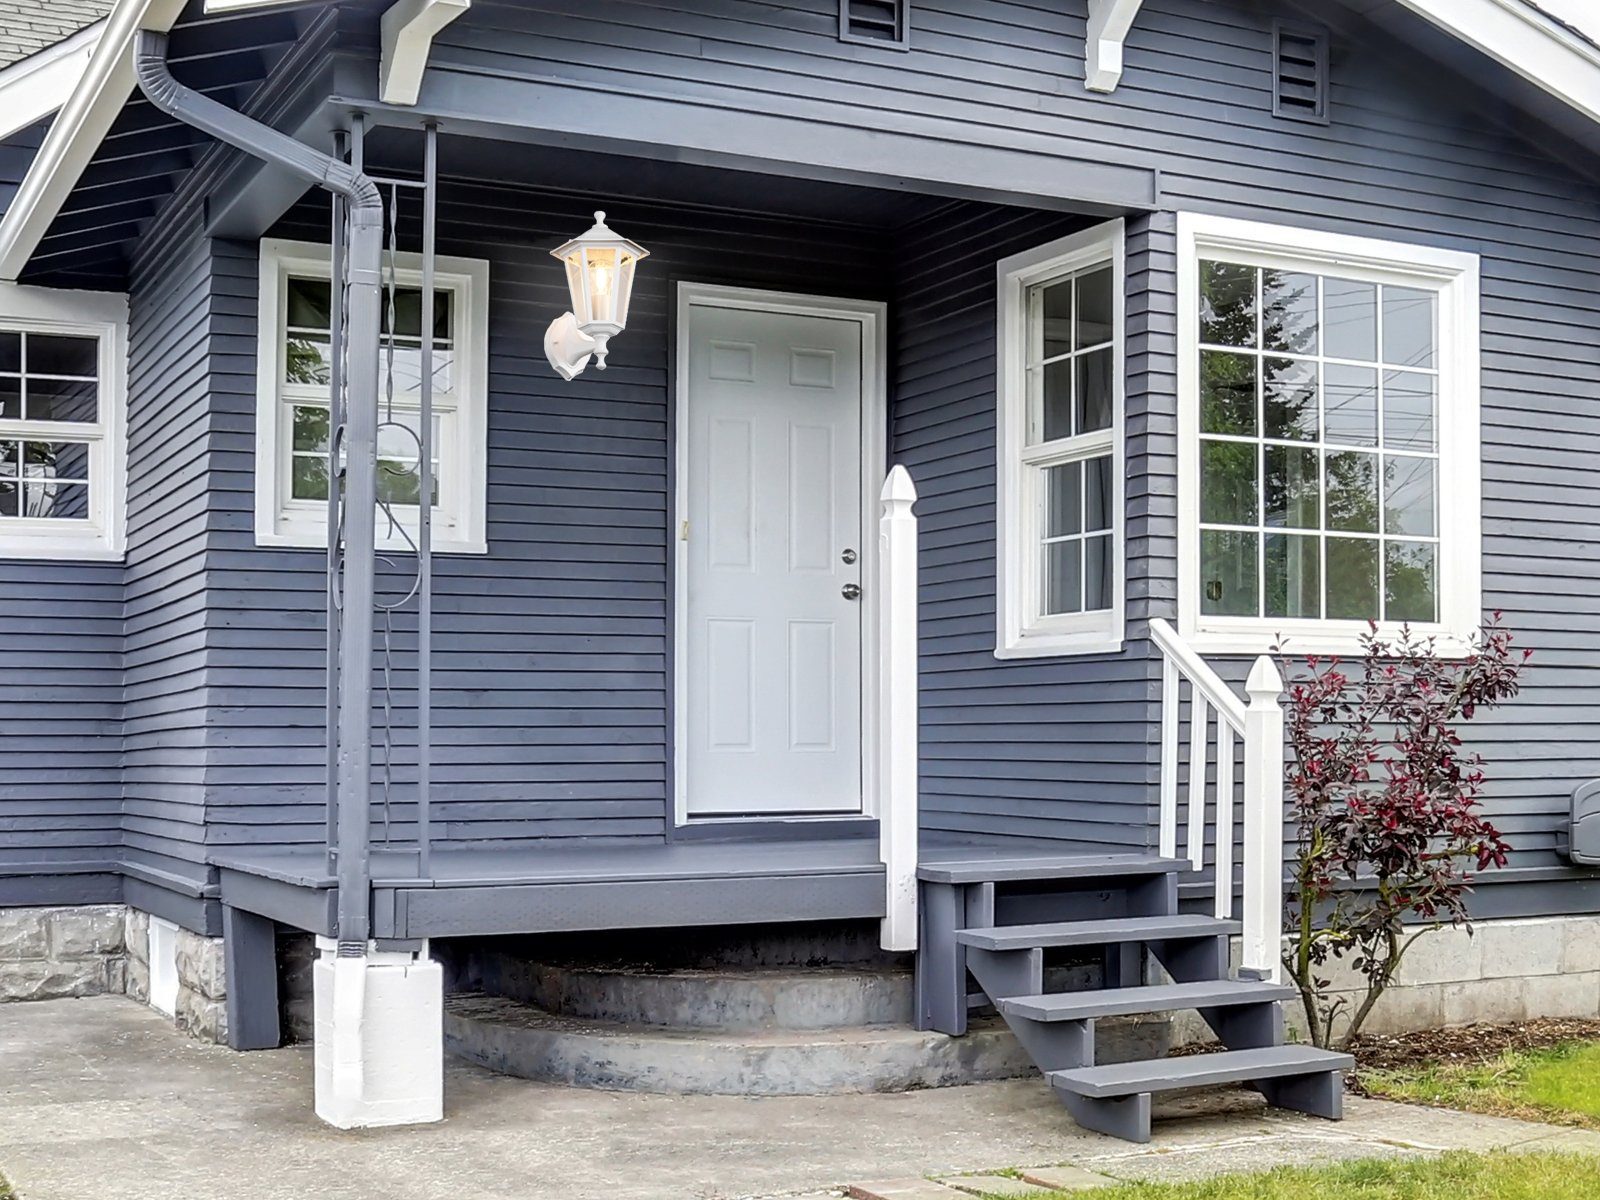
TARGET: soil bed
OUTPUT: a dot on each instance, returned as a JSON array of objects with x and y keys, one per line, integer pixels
[{"x": 1468, "y": 1044}]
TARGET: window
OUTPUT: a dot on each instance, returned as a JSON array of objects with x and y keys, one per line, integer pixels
[
  {"x": 62, "y": 357},
  {"x": 1327, "y": 390},
  {"x": 1059, "y": 519},
  {"x": 292, "y": 413}
]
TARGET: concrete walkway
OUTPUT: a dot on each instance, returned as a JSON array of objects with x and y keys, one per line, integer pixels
[{"x": 102, "y": 1099}]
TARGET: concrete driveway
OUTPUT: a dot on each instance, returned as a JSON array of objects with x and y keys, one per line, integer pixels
[{"x": 102, "y": 1099}]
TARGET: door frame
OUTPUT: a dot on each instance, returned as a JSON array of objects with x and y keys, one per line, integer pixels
[{"x": 872, "y": 317}]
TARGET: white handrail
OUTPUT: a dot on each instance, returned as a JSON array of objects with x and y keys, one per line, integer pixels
[
  {"x": 1259, "y": 725},
  {"x": 897, "y": 691}
]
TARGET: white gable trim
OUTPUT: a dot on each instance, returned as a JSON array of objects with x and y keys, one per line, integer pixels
[
  {"x": 1520, "y": 37},
  {"x": 40, "y": 84}
]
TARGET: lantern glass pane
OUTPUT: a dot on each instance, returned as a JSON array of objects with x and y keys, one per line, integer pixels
[
  {"x": 576, "y": 287},
  {"x": 603, "y": 283}
]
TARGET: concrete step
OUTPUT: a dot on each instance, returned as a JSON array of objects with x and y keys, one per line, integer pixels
[
  {"x": 1046, "y": 866},
  {"x": 519, "y": 1039},
  {"x": 1160, "y": 998},
  {"x": 1098, "y": 932},
  {"x": 727, "y": 998},
  {"x": 1198, "y": 1070}
]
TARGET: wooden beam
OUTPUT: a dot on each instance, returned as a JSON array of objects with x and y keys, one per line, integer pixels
[
  {"x": 1109, "y": 22},
  {"x": 409, "y": 27}
]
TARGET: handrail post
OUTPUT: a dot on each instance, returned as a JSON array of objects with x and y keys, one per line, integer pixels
[
  {"x": 1263, "y": 824},
  {"x": 897, "y": 691}
]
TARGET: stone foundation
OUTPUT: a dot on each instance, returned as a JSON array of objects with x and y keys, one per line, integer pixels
[
  {"x": 1512, "y": 970},
  {"x": 51, "y": 953}
]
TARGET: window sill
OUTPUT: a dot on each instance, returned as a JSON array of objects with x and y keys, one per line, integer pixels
[
  {"x": 60, "y": 549},
  {"x": 1299, "y": 642},
  {"x": 319, "y": 541},
  {"x": 1058, "y": 645}
]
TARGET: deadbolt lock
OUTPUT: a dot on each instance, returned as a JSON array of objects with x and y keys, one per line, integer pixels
[{"x": 849, "y": 556}]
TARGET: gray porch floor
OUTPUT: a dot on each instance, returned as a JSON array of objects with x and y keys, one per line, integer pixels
[{"x": 105, "y": 1100}]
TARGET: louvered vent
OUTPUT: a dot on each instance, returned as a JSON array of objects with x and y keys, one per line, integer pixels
[
  {"x": 878, "y": 22},
  {"x": 1300, "y": 74}
]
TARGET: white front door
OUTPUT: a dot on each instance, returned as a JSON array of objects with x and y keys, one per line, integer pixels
[{"x": 771, "y": 645}]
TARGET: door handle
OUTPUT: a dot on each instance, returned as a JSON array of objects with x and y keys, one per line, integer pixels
[{"x": 851, "y": 591}]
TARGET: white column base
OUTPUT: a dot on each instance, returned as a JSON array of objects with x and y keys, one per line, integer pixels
[{"x": 379, "y": 1038}]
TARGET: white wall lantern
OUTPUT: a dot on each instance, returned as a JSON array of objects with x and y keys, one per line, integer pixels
[{"x": 600, "y": 267}]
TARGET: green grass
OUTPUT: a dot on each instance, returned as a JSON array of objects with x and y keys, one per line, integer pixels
[
  {"x": 1457, "y": 1176},
  {"x": 1560, "y": 1084},
  {"x": 5, "y": 1190}
]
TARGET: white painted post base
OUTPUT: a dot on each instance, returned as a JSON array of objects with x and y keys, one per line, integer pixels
[{"x": 379, "y": 1037}]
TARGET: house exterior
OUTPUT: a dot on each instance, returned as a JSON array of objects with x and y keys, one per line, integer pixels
[{"x": 1182, "y": 326}]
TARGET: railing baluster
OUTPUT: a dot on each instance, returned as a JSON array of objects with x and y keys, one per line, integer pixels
[
  {"x": 897, "y": 654},
  {"x": 1224, "y": 855},
  {"x": 1199, "y": 753},
  {"x": 1169, "y": 758}
]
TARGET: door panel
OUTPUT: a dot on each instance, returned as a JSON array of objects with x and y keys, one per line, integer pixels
[{"x": 772, "y": 657}]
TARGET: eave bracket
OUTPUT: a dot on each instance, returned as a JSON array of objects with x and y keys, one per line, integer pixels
[
  {"x": 1109, "y": 22},
  {"x": 409, "y": 27}
]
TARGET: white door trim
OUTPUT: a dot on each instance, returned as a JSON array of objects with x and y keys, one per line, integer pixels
[{"x": 872, "y": 316}]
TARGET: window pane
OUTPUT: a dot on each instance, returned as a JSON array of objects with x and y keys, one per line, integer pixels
[
  {"x": 1350, "y": 395},
  {"x": 1408, "y": 496},
  {"x": 1097, "y": 493},
  {"x": 55, "y": 460},
  {"x": 54, "y": 354},
  {"x": 1228, "y": 573},
  {"x": 399, "y": 436},
  {"x": 1227, "y": 304},
  {"x": 306, "y": 360},
  {"x": 1350, "y": 319},
  {"x": 10, "y": 398},
  {"x": 10, "y": 351},
  {"x": 311, "y": 428},
  {"x": 1093, "y": 397},
  {"x": 1292, "y": 490},
  {"x": 63, "y": 399},
  {"x": 10, "y": 497},
  {"x": 1408, "y": 410},
  {"x": 1057, "y": 400},
  {"x": 310, "y": 478},
  {"x": 408, "y": 313},
  {"x": 1289, "y": 399},
  {"x": 1289, "y": 312},
  {"x": 1352, "y": 579},
  {"x": 1227, "y": 483},
  {"x": 400, "y": 482},
  {"x": 1095, "y": 308},
  {"x": 1410, "y": 326},
  {"x": 10, "y": 459},
  {"x": 1097, "y": 574},
  {"x": 56, "y": 500},
  {"x": 1294, "y": 575},
  {"x": 1228, "y": 393},
  {"x": 1063, "y": 499},
  {"x": 1352, "y": 493},
  {"x": 310, "y": 304},
  {"x": 1063, "y": 577},
  {"x": 1053, "y": 306},
  {"x": 1410, "y": 583}
]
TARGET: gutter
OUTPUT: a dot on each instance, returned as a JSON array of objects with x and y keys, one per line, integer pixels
[{"x": 155, "y": 79}]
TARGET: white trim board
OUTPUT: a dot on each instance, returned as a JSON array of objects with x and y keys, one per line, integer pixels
[
  {"x": 873, "y": 318},
  {"x": 37, "y": 86}
]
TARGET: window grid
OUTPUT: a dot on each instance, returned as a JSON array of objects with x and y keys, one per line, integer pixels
[
  {"x": 1379, "y": 451},
  {"x": 32, "y": 487}
]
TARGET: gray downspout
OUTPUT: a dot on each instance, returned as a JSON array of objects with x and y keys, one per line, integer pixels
[{"x": 353, "y": 870}]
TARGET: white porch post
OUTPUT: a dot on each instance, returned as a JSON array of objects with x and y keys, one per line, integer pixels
[
  {"x": 379, "y": 1037},
  {"x": 1263, "y": 824},
  {"x": 897, "y": 670}
]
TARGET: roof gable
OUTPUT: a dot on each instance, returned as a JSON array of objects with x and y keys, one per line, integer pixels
[{"x": 29, "y": 26}]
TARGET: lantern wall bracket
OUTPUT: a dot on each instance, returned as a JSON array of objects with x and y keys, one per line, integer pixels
[{"x": 568, "y": 348}]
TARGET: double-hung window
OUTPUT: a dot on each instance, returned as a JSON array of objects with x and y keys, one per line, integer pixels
[
  {"x": 1060, "y": 391},
  {"x": 293, "y": 393},
  {"x": 1328, "y": 438},
  {"x": 62, "y": 358}
]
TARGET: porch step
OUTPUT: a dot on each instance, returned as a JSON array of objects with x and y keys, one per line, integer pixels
[
  {"x": 1199, "y": 1070},
  {"x": 1122, "y": 1002},
  {"x": 1097, "y": 933},
  {"x": 1002, "y": 869}
]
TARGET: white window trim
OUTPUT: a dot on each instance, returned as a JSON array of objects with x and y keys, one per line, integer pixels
[
  {"x": 459, "y": 526},
  {"x": 1455, "y": 275},
  {"x": 1019, "y": 633},
  {"x": 102, "y": 315}
]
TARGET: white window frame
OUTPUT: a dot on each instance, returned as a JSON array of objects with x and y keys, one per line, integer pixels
[
  {"x": 1455, "y": 277},
  {"x": 459, "y": 520},
  {"x": 1021, "y": 630},
  {"x": 104, "y": 316}
]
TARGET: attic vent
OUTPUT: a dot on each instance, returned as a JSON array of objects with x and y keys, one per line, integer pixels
[
  {"x": 879, "y": 22},
  {"x": 1300, "y": 74}
]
